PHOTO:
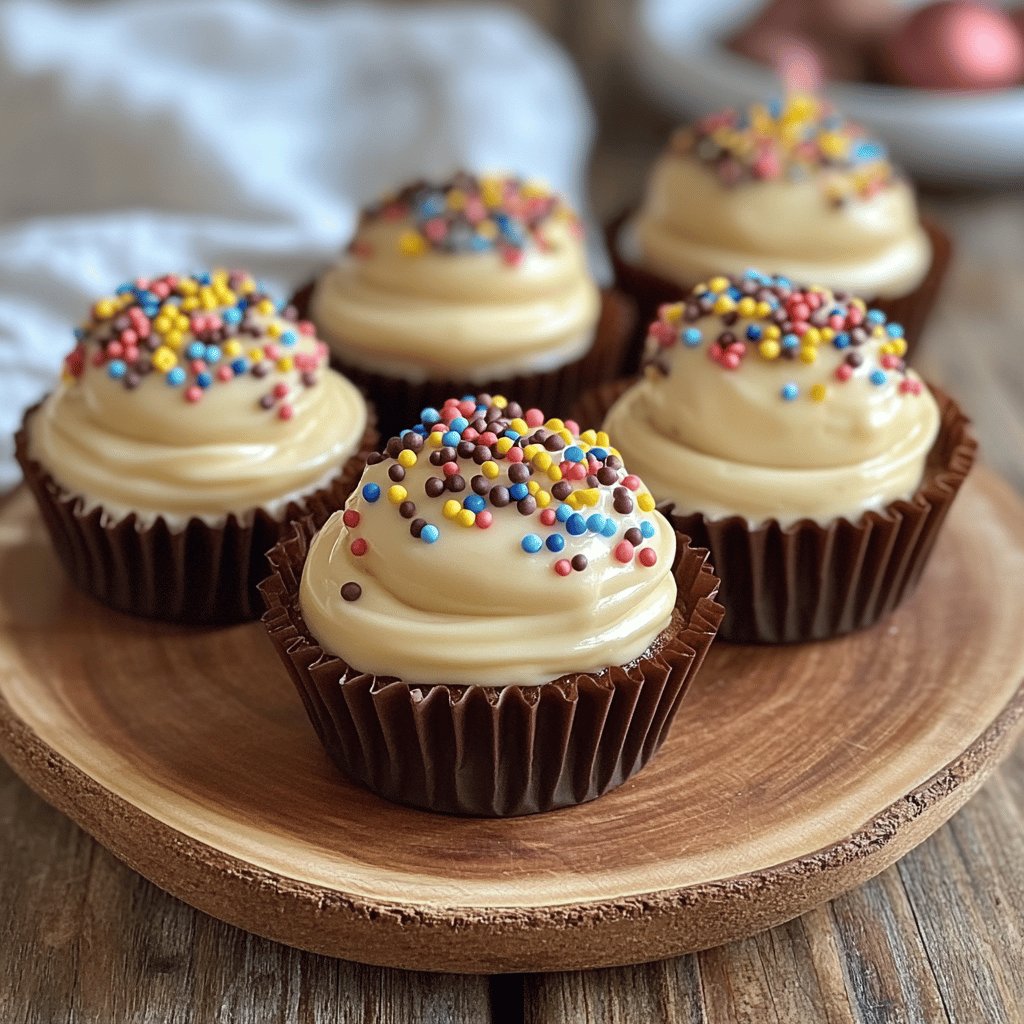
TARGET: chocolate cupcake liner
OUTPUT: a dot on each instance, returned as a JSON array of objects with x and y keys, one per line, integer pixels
[
  {"x": 196, "y": 573},
  {"x": 399, "y": 402},
  {"x": 809, "y": 581},
  {"x": 649, "y": 291},
  {"x": 487, "y": 751}
]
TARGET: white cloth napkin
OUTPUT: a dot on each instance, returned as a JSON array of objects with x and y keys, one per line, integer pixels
[{"x": 140, "y": 138}]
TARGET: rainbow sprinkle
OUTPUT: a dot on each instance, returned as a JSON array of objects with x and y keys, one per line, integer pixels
[
  {"x": 773, "y": 320},
  {"x": 792, "y": 139},
  {"x": 492, "y": 213},
  {"x": 197, "y": 332},
  {"x": 489, "y": 458}
]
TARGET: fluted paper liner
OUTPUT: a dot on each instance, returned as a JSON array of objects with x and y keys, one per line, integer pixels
[
  {"x": 649, "y": 291},
  {"x": 196, "y": 573},
  {"x": 807, "y": 581},
  {"x": 399, "y": 402},
  {"x": 490, "y": 751}
]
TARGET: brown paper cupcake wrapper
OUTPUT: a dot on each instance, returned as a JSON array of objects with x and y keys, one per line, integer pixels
[
  {"x": 399, "y": 402},
  {"x": 485, "y": 751},
  {"x": 649, "y": 291},
  {"x": 197, "y": 573},
  {"x": 807, "y": 581}
]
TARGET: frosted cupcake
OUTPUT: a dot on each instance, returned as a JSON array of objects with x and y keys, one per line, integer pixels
[
  {"x": 792, "y": 187},
  {"x": 781, "y": 427},
  {"x": 499, "y": 622},
  {"x": 468, "y": 284},
  {"x": 194, "y": 420}
]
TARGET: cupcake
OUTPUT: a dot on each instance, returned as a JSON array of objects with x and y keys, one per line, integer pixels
[
  {"x": 499, "y": 622},
  {"x": 780, "y": 427},
  {"x": 471, "y": 284},
  {"x": 193, "y": 421},
  {"x": 790, "y": 187}
]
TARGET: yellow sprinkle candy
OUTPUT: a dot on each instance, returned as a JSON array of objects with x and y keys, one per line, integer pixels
[
  {"x": 566, "y": 435},
  {"x": 407, "y": 458},
  {"x": 255, "y": 354},
  {"x": 190, "y": 303},
  {"x": 502, "y": 445},
  {"x": 603, "y": 440},
  {"x": 487, "y": 229},
  {"x": 812, "y": 336},
  {"x": 397, "y": 494},
  {"x": 769, "y": 348},
  {"x": 724, "y": 304},
  {"x": 554, "y": 424},
  {"x": 219, "y": 276},
  {"x": 491, "y": 191},
  {"x": 574, "y": 501},
  {"x": 164, "y": 359},
  {"x": 827, "y": 334},
  {"x": 286, "y": 364},
  {"x": 535, "y": 189},
  {"x": 232, "y": 348},
  {"x": 819, "y": 392},
  {"x": 543, "y": 499},
  {"x": 672, "y": 313},
  {"x": 105, "y": 309},
  {"x": 808, "y": 353},
  {"x": 532, "y": 486},
  {"x": 456, "y": 199},
  {"x": 434, "y": 439},
  {"x": 465, "y": 517},
  {"x": 248, "y": 286},
  {"x": 645, "y": 501},
  {"x": 531, "y": 450},
  {"x": 175, "y": 339},
  {"x": 833, "y": 144},
  {"x": 518, "y": 425},
  {"x": 763, "y": 310},
  {"x": 451, "y": 509},
  {"x": 265, "y": 306},
  {"x": 500, "y": 401},
  {"x": 554, "y": 473},
  {"x": 773, "y": 331},
  {"x": 187, "y": 286},
  {"x": 590, "y": 436},
  {"x": 747, "y": 306},
  {"x": 589, "y": 496},
  {"x": 490, "y": 469},
  {"x": 274, "y": 329},
  {"x": 899, "y": 346},
  {"x": 542, "y": 460},
  {"x": 207, "y": 299},
  {"x": 718, "y": 284}
]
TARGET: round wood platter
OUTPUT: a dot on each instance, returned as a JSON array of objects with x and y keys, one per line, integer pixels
[{"x": 792, "y": 774}]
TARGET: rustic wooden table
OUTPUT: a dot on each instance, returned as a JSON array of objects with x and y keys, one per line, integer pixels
[{"x": 939, "y": 937}]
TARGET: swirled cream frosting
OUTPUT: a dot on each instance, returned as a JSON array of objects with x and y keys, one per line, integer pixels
[
  {"x": 491, "y": 545},
  {"x": 195, "y": 396},
  {"x": 790, "y": 186},
  {"x": 768, "y": 400},
  {"x": 473, "y": 279}
]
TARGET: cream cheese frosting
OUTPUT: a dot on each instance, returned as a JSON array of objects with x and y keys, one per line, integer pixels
[
  {"x": 474, "y": 279},
  {"x": 796, "y": 189},
  {"x": 534, "y": 555},
  {"x": 769, "y": 401},
  {"x": 199, "y": 399}
]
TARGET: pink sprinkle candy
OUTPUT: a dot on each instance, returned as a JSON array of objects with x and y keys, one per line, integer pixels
[
  {"x": 563, "y": 567},
  {"x": 306, "y": 327},
  {"x": 854, "y": 316},
  {"x": 624, "y": 552},
  {"x": 161, "y": 289},
  {"x": 547, "y": 516},
  {"x": 198, "y": 365},
  {"x": 910, "y": 387},
  {"x": 193, "y": 393},
  {"x": 272, "y": 351},
  {"x": 662, "y": 333},
  {"x": 835, "y": 322},
  {"x": 715, "y": 352},
  {"x": 488, "y": 437},
  {"x": 647, "y": 556},
  {"x": 280, "y": 389},
  {"x": 467, "y": 408},
  {"x": 449, "y": 413},
  {"x": 767, "y": 165},
  {"x": 632, "y": 482},
  {"x": 435, "y": 229},
  {"x": 450, "y": 468},
  {"x": 129, "y": 337},
  {"x": 142, "y": 282},
  {"x": 572, "y": 426},
  {"x": 99, "y": 357},
  {"x": 511, "y": 257},
  {"x": 358, "y": 546},
  {"x": 225, "y": 373},
  {"x": 576, "y": 472},
  {"x": 115, "y": 350},
  {"x": 813, "y": 300},
  {"x": 890, "y": 362},
  {"x": 483, "y": 519},
  {"x": 534, "y": 418},
  {"x": 514, "y": 455},
  {"x": 285, "y": 412},
  {"x": 731, "y": 360},
  {"x": 844, "y": 372},
  {"x": 350, "y": 517},
  {"x": 469, "y": 434}
]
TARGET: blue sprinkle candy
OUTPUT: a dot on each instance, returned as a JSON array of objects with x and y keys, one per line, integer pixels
[
  {"x": 204, "y": 379},
  {"x": 289, "y": 338},
  {"x": 790, "y": 391},
  {"x": 563, "y": 512},
  {"x": 576, "y": 525},
  {"x": 239, "y": 366},
  {"x": 451, "y": 438},
  {"x": 753, "y": 333},
  {"x": 531, "y": 543},
  {"x": 609, "y": 529},
  {"x": 430, "y": 416},
  {"x": 599, "y": 453},
  {"x": 518, "y": 491},
  {"x": 117, "y": 368},
  {"x": 595, "y": 522},
  {"x": 475, "y": 503},
  {"x": 875, "y": 316},
  {"x": 573, "y": 453},
  {"x": 692, "y": 337},
  {"x": 894, "y": 330},
  {"x": 841, "y": 340},
  {"x": 647, "y": 528},
  {"x": 232, "y": 316},
  {"x": 429, "y": 533},
  {"x": 176, "y": 377},
  {"x": 459, "y": 423},
  {"x": 877, "y": 377},
  {"x": 371, "y": 492},
  {"x": 790, "y": 341},
  {"x": 555, "y": 542},
  {"x": 212, "y": 354},
  {"x": 197, "y": 350}
]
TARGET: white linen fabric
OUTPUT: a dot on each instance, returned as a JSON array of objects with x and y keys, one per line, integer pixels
[{"x": 141, "y": 138}]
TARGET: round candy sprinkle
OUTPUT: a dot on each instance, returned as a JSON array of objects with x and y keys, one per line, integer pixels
[
  {"x": 647, "y": 556},
  {"x": 430, "y": 533},
  {"x": 563, "y": 567},
  {"x": 371, "y": 492},
  {"x": 351, "y": 591},
  {"x": 358, "y": 546},
  {"x": 531, "y": 543}
]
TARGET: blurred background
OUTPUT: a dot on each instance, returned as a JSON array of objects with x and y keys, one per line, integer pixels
[{"x": 140, "y": 137}]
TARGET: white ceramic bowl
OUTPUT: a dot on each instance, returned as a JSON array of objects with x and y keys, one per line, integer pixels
[{"x": 948, "y": 137}]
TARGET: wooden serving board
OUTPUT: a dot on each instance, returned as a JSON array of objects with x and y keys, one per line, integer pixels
[{"x": 791, "y": 775}]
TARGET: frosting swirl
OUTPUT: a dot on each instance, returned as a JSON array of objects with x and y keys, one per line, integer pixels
[
  {"x": 770, "y": 401},
  {"x": 195, "y": 397},
  {"x": 491, "y": 546},
  {"x": 473, "y": 279},
  {"x": 789, "y": 186}
]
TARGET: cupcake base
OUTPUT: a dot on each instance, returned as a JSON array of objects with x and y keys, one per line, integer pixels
[
  {"x": 196, "y": 573},
  {"x": 649, "y": 290},
  {"x": 399, "y": 401},
  {"x": 808, "y": 581},
  {"x": 487, "y": 751}
]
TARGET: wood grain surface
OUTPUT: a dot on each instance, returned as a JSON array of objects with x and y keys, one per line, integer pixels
[{"x": 935, "y": 938}]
